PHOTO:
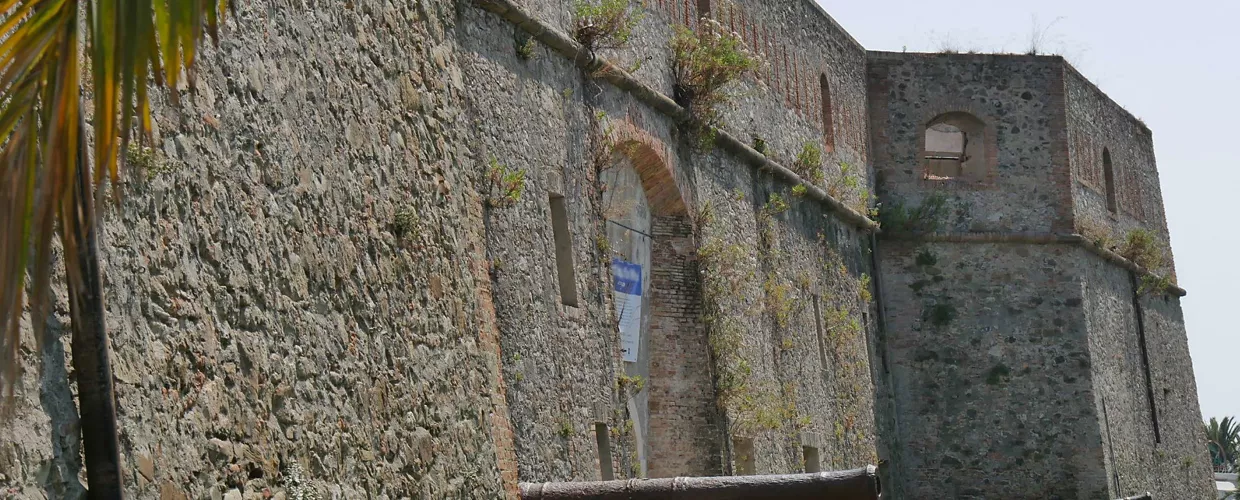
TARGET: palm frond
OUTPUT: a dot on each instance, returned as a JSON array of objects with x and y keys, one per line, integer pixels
[{"x": 41, "y": 115}]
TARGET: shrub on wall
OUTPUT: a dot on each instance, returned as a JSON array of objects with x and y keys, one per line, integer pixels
[
  {"x": 926, "y": 217},
  {"x": 706, "y": 60},
  {"x": 604, "y": 24},
  {"x": 1142, "y": 248}
]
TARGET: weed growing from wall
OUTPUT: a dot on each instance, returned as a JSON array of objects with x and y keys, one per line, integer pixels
[
  {"x": 863, "y": 289},
  {"x": 296, "y": 486},
  {"x": 924, "y": 218},
  {"x": 704, "y": 62},
  {"x": 526, "y": 48},
  {"x": 1143, "y": 249},
  {"x": 1097, "y": 233},
  {"x": 848, "y": 189},
  {"x": 635, "y": 382},
  {"x": 605, "y": 24},
  {"x": 751, "y": 404},
  {"x": 759, "y": 145},
  {"x": 507, "y": 184},
  {"x": 1153, "y": 284},
  {"x": 148, "y": 160},
  {"x": 808, "y": 164},
  {"x": 405, "y": 223}
]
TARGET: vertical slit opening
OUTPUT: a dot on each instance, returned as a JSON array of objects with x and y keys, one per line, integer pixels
[
  {"x": 742, "y": 452},
  {"x": 822, "y": 345},
  {"x": 812, "y": 463},
  {"x": 1108, "y": 174},
  {"x": 563, "y": 251},
  {"x": 603, "y": 439}
]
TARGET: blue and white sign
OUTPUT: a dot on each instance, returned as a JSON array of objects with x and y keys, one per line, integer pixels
[{"x": 627, "y": 277}]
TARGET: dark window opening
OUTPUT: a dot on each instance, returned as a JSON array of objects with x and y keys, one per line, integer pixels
[
  {"x": 563, "y": 251},
  {"x": 828, "y": 127},
  {"x": 742, "y": 451},
  {"x": 1108, "y": 174},
  {"x": 954, "y": 147},
  {"x": 603, "y": 439},
  {"x": 812, "y": 464}
]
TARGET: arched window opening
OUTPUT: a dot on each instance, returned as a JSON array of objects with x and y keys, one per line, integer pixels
[
  {"x": 1108, "y": 175},
  {"x": 954, "y": 147},
  {"x": 828, "y": 128}
]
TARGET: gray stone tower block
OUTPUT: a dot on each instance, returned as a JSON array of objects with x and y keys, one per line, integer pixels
[{"x": 1023, "y": 358}]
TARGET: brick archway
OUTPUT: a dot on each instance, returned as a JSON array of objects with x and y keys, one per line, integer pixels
[{"x": 682, "y": 438}]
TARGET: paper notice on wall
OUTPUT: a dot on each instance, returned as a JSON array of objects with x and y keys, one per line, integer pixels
[{"x": 628, "y": 296}]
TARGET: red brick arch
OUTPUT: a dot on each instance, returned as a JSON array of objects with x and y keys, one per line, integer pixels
[
  {"x": 683, "y": 435},
  {"x": 655, "y": 167}
]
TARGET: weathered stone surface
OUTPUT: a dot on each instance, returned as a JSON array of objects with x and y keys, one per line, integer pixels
[
  {"x": 324, "y": 271},
  {"x": 1029, "y": 366},
  {"x": 261, "y": 307}
]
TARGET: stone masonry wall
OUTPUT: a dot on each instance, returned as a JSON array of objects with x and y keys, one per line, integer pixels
[
  {"x": 1095, "y": 123},
  {"x": 322, "y": 266},
  {"x": 541, "y": 116},
  {"x": 1019, "y": 98},
  {"x": 1122, "y": 388},
  {"x": 990, "y": 371},
  {"x": 300, "y": 277}
]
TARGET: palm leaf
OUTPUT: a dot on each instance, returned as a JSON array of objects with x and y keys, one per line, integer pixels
[{"x": 40, "y": 125}]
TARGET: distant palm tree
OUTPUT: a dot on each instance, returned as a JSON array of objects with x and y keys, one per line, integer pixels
[
  {"x": 50, "y": 188},
  {"x": 1223, "y": 439}
]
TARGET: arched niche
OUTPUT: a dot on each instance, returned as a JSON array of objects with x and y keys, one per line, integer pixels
[{"x": 650, "y": 235}]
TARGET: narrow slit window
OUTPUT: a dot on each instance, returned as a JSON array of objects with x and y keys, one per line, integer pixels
[
  {"x": 812, "y": 463},
  {"x": 603, "y": 439},
  {"x": 822, "y": 345},
  {"x": 563, "y": 251},
  {"x": 703, "y": 7},
  {"x": 1108, "y": 175},
  {"x": 742, "y": 451},
  {"x": 828, "y": 123}
]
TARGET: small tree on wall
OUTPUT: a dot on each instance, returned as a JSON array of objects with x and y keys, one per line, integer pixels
[
  {"x": 604, "y": 24},
  {"x": 704, "y": 62}
]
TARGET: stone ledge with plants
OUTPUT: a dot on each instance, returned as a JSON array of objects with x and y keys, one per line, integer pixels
[{"x": 704, "y": 65}]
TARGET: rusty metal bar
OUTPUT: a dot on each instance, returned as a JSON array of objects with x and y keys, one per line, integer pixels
[{"x": 856, "y": 484}]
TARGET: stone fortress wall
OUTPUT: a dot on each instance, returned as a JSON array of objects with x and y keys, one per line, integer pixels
[
  {"x": 777, "y": 274},
  {"x": 326, "y": 268}
]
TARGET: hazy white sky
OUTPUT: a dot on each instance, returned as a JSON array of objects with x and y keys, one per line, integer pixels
[{"x": 1171, "y": 63}]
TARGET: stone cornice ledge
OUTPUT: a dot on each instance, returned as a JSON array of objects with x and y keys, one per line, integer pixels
[
  {"x": 1035, "y": 239},
  {"x": 603, "y": 69}
]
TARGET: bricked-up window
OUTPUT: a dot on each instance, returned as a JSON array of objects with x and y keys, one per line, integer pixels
[
  {"x": 742, "y": 453},
  {"x": 812, "y": 463},
  {"x": 563, "y": 251},
  {"x": 954, "y": 147},
  {"x": 828, "y": 127},
  {"x": 603, "y": 440},
  {"x": 1108, "y": 175}
]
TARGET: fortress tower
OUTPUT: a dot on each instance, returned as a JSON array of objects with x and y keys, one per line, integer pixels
[
  {"x": 432, "y": 249},
  {"x": 1023, "y": 353}
]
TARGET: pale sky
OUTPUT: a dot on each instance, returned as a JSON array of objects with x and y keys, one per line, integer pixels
[{"x": 1173, "y": 64}]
